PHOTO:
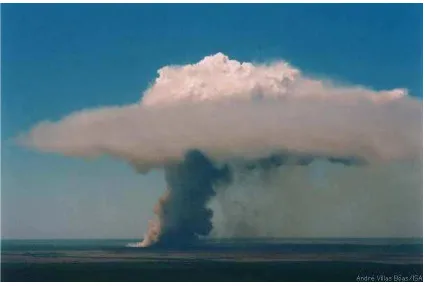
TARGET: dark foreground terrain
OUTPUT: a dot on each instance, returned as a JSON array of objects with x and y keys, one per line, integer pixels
[
  {"x": 210, "y": 271},
  {"x": 212, "y": 260}
]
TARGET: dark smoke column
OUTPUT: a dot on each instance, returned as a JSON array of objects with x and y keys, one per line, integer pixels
[{"x": 184, "y": 214}]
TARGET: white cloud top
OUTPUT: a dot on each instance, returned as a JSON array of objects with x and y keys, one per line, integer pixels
[{"x": 219, "y": 78}]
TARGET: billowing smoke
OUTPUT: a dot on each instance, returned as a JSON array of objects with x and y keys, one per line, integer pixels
[
  {"x": 182, "y": 213},
  {"x": 244, "y": 115}
]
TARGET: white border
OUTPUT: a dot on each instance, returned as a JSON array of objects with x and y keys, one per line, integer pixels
[{"x": 217, "y": 1}]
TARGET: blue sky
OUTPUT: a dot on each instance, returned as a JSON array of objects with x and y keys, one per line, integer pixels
[{"x": 57, "y": 59}]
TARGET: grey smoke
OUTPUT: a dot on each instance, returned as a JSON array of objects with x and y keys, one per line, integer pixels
[
  {"x": 191, "y": 185},
  {"x": 184, "y": 213},
  {"x": 322, "y": 199}
]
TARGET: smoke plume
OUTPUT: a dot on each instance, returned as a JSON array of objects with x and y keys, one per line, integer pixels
[
  {"x": 182, "y": 213},
  {"x": 245, "y": 115}
]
